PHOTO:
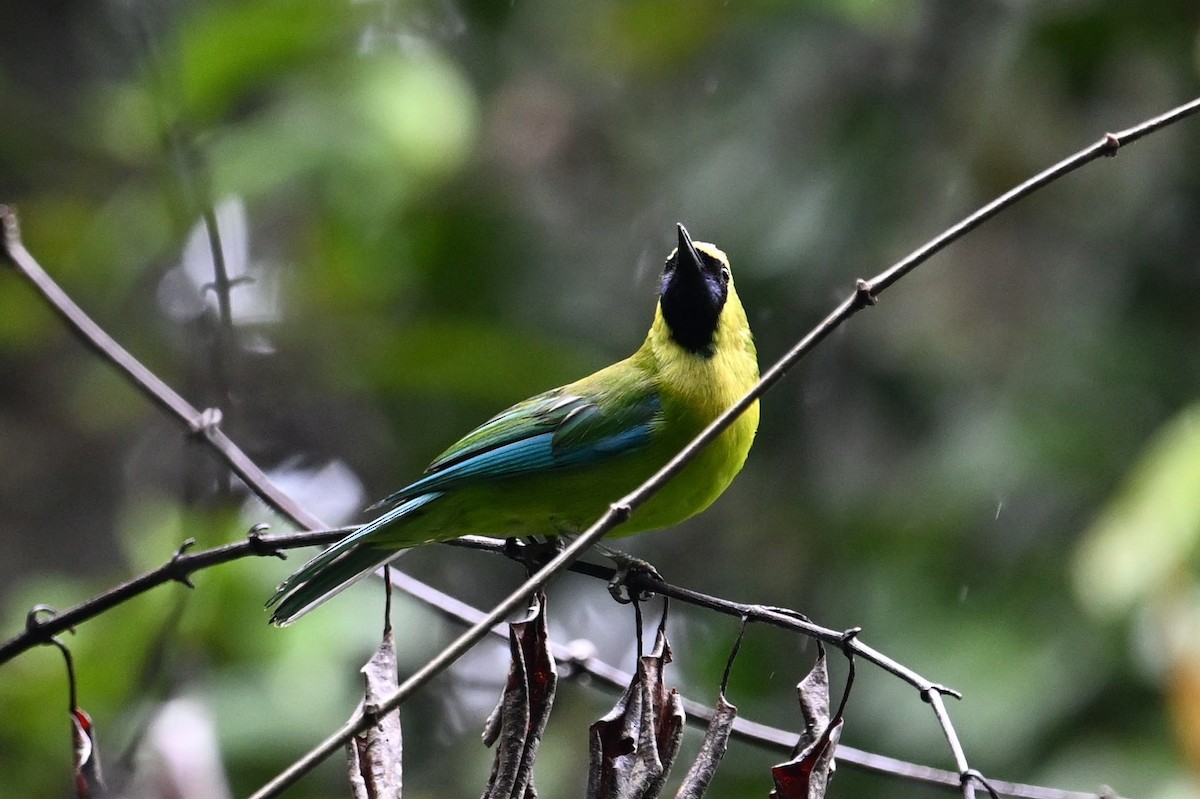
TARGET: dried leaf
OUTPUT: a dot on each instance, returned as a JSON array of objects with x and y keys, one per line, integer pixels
[
  {"x": 89, "y": 781},
  {"x": 716, "y": 741},
  {"x": 814, "y": 702},
  {"x": 374, "y": 757},
  {"x": 807, "y": 774},
  {"x": 633, "y": 747},
  {"x": 520, "y": 716}
]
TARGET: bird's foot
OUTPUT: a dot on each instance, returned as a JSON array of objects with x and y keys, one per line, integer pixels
[
  {"x": 626, "y": 565},
  {"x": 533, "y": 553}
]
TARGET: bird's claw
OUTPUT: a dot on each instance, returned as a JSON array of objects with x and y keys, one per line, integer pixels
[
  {"x": 627, "y": 565},
  {"x": 532, "y": 553}
]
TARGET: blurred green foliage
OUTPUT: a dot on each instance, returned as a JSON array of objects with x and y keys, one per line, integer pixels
[{"x": 443, "y": 207}]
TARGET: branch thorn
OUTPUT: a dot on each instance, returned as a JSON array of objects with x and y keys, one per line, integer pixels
[
  {"x": 848, "y": 637},
  {"x": 1112, "y": 143},
  {"x": 260, "y": 547},
  {"x": 864, "y": 293},
  {"x": 240, "y": 280},
  {"x": 178, "y": 574},
  {"x": 974, "y": 775},
  {"x": 621, "y": 511},
  {"x": 940, "y": 689},
  {"x": 33, "y": 623}
]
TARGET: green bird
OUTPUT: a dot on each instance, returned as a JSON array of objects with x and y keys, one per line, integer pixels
[{"x": 552, "y": 464}]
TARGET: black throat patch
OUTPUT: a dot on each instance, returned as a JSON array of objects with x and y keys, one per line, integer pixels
[{"x": 694, "y": 288}]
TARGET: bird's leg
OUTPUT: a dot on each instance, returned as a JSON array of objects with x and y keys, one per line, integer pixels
[
  {"x": 533, "y": 552},
  {"x": 618, "y": 586}
]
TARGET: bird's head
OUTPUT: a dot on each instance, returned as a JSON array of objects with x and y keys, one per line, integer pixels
[{"x": 695, "y": 285}]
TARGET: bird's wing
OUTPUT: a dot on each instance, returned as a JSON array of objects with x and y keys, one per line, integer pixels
[{"x": 549, "y": 431}]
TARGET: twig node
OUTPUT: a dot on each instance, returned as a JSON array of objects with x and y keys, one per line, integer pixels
[
  {"x": 864, "y": 293},
  {"x": 209, "y": 419},
  {"x": 940, "y": 689},
  {"x": 179, "y": 574},
  {"x": 33, "y": 623},
  {"x": 261, "y": 548}
]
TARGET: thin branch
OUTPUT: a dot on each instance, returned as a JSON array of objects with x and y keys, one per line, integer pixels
[
  {"x": 257, "y": 544},
  {"x": 204, "y": 424},
  {"x": 866, "y": 294},
  {"x": 700, "y": 714},
  {"x": 643, "y": 582},
  {"x": 178, "y": 569},
  {"x": 1108, "y": 145},
  {"x": 207, "y": 423}
]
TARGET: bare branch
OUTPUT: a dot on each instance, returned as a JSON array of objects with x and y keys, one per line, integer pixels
[
  {"x": 866, "y": 293},
  {"x": 206, "y": 424},
  {"x": 602, "y": 674},
  {"x": 45, "y": 623},
  {"x": 40, "y": 629}
]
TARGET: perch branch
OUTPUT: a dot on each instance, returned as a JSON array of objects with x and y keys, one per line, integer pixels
[
  {"x": 42, "y": 626},
  {"x": 866, "y": 293},
  {"x": 207, "y": 424}
]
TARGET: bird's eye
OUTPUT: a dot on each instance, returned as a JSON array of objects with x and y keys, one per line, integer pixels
[{"x": 725, "y": 273}]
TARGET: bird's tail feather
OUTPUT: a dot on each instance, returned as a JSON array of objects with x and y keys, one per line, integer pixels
[
  {"x": 318, "y": 582},
  {"x": 338, "y": 567}
]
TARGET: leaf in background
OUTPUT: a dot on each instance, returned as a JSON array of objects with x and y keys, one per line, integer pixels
[
  {"x": 633, "y": 747},
  {"x": 712, "y": 751},
  {"x": 1178, "y": 617},
  {"x": 520, "y": 716},
  {"x": 1148, "y": 533},
  {"x": 807, "y": 774},
  {"x": 89, "y": 782},
  {"x": 375, "y": 756}
]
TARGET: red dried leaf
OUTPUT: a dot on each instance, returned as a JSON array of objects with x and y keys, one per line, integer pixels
[
  {"x": 89, "y": 781},
  {"x": 633, "y": 747},
  {"x": 807, "y": 774},
  {"x": 520, "y": 716}
]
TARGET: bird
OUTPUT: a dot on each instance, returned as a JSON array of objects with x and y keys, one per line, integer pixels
[{"x": 552, "y": 464}]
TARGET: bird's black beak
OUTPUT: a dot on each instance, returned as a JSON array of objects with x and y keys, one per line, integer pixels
[
  {"x": 686, "y": 255},
  {"x": 694, "y": 288}
]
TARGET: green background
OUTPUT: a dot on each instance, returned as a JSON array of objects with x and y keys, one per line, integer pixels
[{"x": 447, "y": 206}]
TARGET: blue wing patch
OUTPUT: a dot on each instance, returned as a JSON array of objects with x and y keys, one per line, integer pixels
[{"x": 550, "y": 431}]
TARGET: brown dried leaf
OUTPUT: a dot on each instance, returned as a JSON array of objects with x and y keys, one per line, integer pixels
[
  {"x": 807, "y": 774},
  {"x": 89, "y": 781},
  {"x": 814, "y": 702},
  {"x": 520, "y": 716},
  {"x": 374, "y": 757},
  {"x": 633, "y": 747},
  {"x": 716, "y": 741}
]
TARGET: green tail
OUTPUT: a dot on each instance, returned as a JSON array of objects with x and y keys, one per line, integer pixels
[
  {"x": 341, "y": 565},
  {"x": 325, "y": 576}
]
